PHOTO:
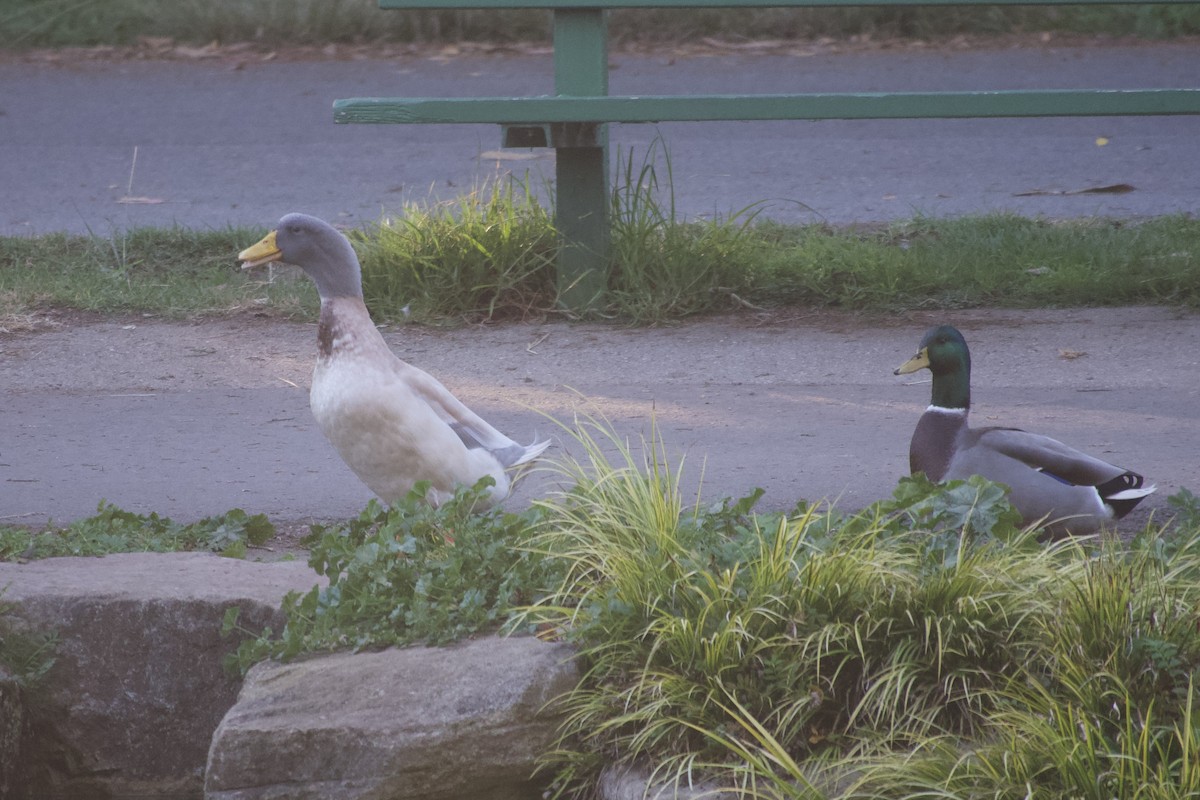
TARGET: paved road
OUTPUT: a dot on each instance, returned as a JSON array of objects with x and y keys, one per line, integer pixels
[{"x": 242, "y": 141}]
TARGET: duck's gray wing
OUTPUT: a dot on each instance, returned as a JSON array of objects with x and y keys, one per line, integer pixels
[
  {"x": 472, "y": 429},
  {"x": 1047, "y": 454}
]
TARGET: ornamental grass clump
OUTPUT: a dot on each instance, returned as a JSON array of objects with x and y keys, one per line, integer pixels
[
  {"x": 707, "y": 631},
  {"x": 1105, "y": 708},
  {"x": 488, "y": 255}
]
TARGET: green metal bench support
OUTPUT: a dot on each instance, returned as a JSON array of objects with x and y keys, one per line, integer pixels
[
  {"x": 581, "y": 172},
  {"x": 575, "y": 120}
]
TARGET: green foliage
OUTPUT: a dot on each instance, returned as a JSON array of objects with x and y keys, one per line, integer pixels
[
  {"x": 59, "y": 23},
  {"x": 24, "y": 655},
  {"x": 1124, "y": 631},
  {"x": 821, "y": 629},
  {"x": 1187, "y": 508},
  {"x": 112, "y": 530},
  {"x": 489, "y": 255},
  {"x": 51, "y": 23},
  {"x": 791, "y": 653},
  {"x": 662, "y": 266},
  {"x": 1128, "y": 751},
  {"x": 975, "y": 505},
  {"x": 1105, "y": 705},
  {"x": 172, "y": 272},
  {"x": 407, "y": 574},
  {"x": 998, "y": 260},
  {"x": 1103, "y": 708}
]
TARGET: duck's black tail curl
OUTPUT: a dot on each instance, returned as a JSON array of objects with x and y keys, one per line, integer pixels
[{"x": 1124, "y": 492}]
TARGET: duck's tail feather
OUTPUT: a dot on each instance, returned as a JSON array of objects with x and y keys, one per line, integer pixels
[
  {"x": 531, "y": 451},
  {"x": 523, "y": 460},
  {"x": 1124, "y": 492}
]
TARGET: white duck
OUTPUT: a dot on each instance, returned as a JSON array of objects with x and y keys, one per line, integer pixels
[{"x": 392, "y": 424}]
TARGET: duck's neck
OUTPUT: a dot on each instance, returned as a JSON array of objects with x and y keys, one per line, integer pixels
[
  {"x": 334, "y": 268},
  {"x": 952, "y": 389},
  {"x": 345, "y": 327}
]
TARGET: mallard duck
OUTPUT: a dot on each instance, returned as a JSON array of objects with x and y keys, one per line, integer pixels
[
  {"x": 392, "y": 423},
  {"x": 1047, "y": 480}
]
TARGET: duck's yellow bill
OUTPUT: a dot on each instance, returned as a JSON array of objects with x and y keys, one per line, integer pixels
[
  {"x": 919, "y": 361},
  {"x": 262, "y": 253}
]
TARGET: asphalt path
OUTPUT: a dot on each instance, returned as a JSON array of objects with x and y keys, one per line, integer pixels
[
  {"x": 102, "y": 146},
  {"x": 189, "y": 420}
]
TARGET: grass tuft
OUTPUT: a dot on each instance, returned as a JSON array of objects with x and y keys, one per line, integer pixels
[
  {"x": 662, "y": 266},
  {"x": 171, "y": 272},
  {"x": 489, "y": 255}
]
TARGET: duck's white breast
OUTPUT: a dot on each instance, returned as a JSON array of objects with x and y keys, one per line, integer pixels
[{"x": 388, "y": 435}]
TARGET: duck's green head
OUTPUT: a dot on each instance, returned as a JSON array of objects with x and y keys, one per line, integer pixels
[
  {"x": 943, "y": 351},
  {"x": 316, "y": 247}
]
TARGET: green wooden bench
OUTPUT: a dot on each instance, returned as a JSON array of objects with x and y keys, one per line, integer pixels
[{"x": 574, "y": 120}]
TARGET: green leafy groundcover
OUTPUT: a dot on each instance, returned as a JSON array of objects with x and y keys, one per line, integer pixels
[
  {"x": 113, "y": 530},
  {"x": 408, "y": 574}
]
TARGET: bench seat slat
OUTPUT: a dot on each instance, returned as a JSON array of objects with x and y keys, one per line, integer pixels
[{"x": 672, "y": 108}]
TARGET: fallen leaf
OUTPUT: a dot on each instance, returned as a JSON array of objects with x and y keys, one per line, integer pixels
[
  {"x": 1112, "y": 188},
  {"x": 210, "y": 50},
  {"x": 758, "y": 44},
  {"x": 1070, "y": 355},
  {"x": 156, "y": 42},
  {"x": 1101, "y": 141},
  {"x": 507, "y": 155}
]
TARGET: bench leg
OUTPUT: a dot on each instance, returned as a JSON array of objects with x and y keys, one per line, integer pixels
[
  {"x": 581, "y": 173},
  {"x": 581, "y": 213}
]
